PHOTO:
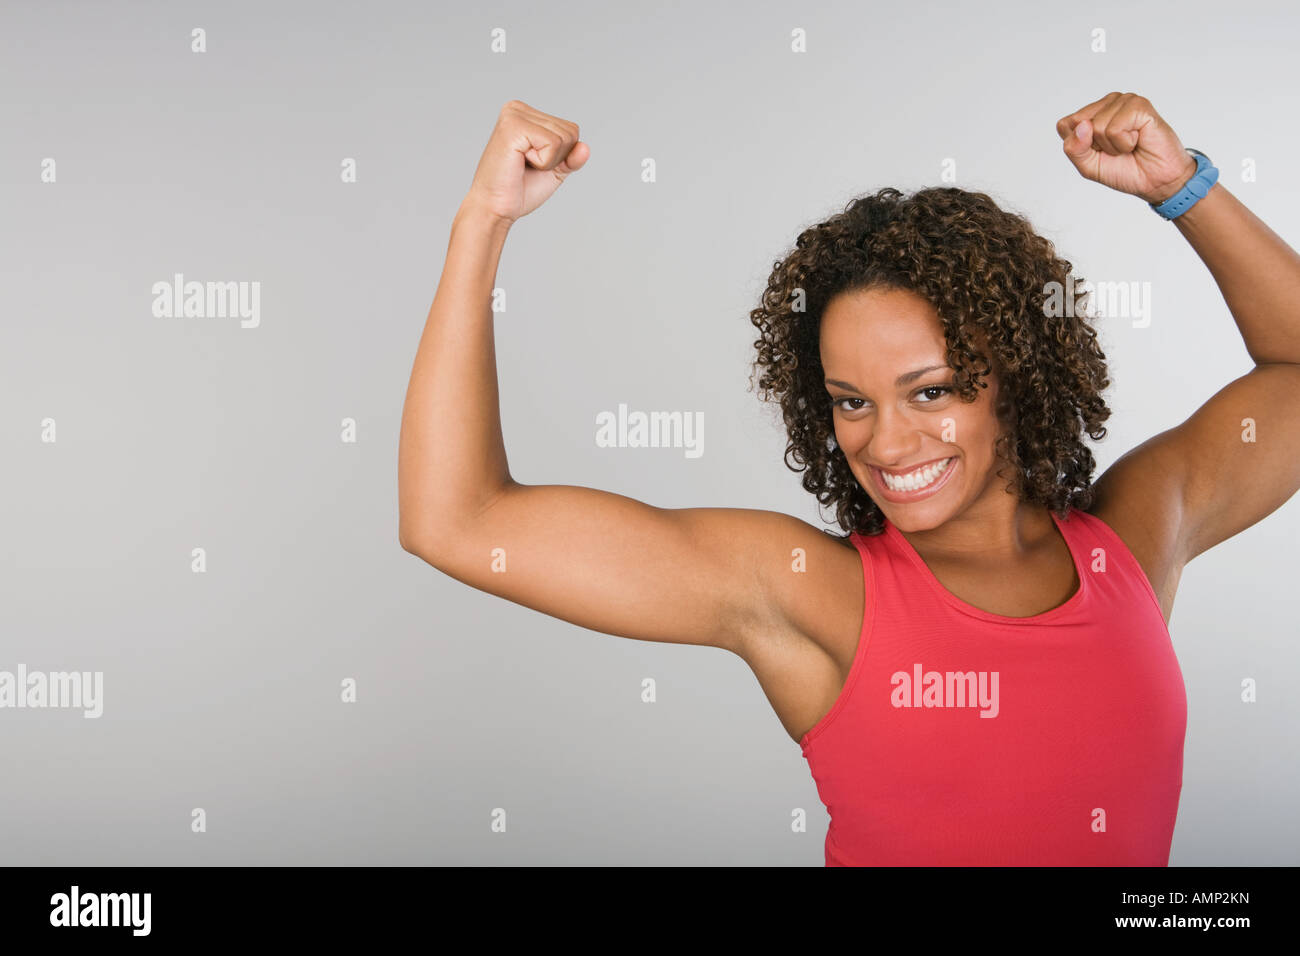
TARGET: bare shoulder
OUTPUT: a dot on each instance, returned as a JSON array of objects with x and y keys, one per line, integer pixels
[
  {"x": 805, "y": 576},
  {"x": 1144, "y": 509}
]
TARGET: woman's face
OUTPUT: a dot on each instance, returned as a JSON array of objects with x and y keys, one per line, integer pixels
[{"x": 894, "y": 411}]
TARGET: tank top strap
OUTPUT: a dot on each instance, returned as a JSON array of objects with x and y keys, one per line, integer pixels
[{"x": 1115, "y": 571}]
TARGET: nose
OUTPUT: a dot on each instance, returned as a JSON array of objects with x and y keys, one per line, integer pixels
[{"x": 895, "y": 438}]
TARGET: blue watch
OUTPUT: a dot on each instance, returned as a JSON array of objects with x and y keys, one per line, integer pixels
[{"x": 1206, "y": 175}]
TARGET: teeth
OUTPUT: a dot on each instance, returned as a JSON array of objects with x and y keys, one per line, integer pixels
[{"x": 916, "y": 480}]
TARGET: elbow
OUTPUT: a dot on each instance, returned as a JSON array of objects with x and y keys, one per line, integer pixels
[
  {"x": 412, "y": 541},
  {"x": 436, "y": 533},
  {"x": 426, "y": 541},
  {"x": 415, "y": 524}
]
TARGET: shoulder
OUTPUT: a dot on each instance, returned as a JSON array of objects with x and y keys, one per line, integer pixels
[{"x": 808, "y": 582}]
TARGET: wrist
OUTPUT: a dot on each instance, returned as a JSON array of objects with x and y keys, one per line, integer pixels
[
  {"x": 474, "y": 212},
  {"x": 1172, "y": 189}
]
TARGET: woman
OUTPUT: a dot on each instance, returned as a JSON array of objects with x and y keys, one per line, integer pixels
[{"x": 979, "y": 670}]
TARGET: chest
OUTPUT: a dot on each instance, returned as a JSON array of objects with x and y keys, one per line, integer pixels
[{"x": 1032, "y": 585}]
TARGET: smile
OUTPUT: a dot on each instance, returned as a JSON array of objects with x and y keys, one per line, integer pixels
[{"x": 914, "y": 484}]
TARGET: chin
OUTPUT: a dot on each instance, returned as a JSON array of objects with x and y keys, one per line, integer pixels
[{"x": 915, "y": 519}]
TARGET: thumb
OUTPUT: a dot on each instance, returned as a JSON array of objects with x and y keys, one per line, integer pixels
[
  {"x": 1078, "y": 144},
  {"x": 576, "y": 159}
]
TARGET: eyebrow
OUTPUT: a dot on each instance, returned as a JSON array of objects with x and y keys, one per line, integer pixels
[{"x": 904, "y": 379}]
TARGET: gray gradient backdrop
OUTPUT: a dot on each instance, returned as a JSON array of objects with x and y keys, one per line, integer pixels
[{"x": 222, "y": 689}]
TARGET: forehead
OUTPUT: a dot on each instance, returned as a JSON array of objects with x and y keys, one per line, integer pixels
[{"x": 880, "y": 327}]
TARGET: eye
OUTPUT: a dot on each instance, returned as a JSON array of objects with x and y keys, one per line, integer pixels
[
  {"x": 839, "y": 403},
  {"x": 941, "y": 389}
]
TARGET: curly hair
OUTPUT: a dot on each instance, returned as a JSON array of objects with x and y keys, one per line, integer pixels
[{"x": 986, "y": 272}]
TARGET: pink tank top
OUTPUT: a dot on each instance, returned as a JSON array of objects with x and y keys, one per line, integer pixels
[{"x": 965, "y": 738}]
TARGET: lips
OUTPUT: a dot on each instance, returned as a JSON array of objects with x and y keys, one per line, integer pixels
[
  {"x": 904, "y": 497},
  {"x": 900, "y": 472}
]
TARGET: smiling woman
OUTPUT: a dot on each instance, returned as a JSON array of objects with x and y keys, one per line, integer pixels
[
  {"x": 946, "y": 429},
  {"x": 951, "y": 289},
  {"x": 936, "y": 402}
]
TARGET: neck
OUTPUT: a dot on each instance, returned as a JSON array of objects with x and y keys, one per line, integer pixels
[{"x": 1006, "y": 530}]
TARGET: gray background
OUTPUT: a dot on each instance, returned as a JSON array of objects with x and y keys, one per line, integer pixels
[{"x": 222, "y": 689}]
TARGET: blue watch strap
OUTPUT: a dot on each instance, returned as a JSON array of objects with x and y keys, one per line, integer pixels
[{"x": 1206, "y": 175}]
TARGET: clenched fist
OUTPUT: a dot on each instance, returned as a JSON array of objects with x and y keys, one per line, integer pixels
[
  {"x": 527, "y": 157},
  {"x": 1121, "y": 141}
]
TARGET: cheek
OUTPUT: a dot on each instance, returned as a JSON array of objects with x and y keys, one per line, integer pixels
[
  {"x": 852, "y": 437},
  {"x": 976, "y": 426}
]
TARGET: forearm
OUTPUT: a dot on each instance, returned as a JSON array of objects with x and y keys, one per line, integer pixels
[
  {"x": 1257, "y": 272},
  {"x": 451, "y": 457}
]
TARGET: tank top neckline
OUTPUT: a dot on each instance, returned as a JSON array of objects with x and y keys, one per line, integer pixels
[{"x": 1070, "y": 604}]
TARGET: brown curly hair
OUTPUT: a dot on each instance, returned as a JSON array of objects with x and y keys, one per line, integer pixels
[{"x": 985, "y": 271}]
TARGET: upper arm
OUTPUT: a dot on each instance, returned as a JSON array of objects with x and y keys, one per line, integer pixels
[
  {"x": 1235, "y": 461},
  {"x": 619, "y": 566}
]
